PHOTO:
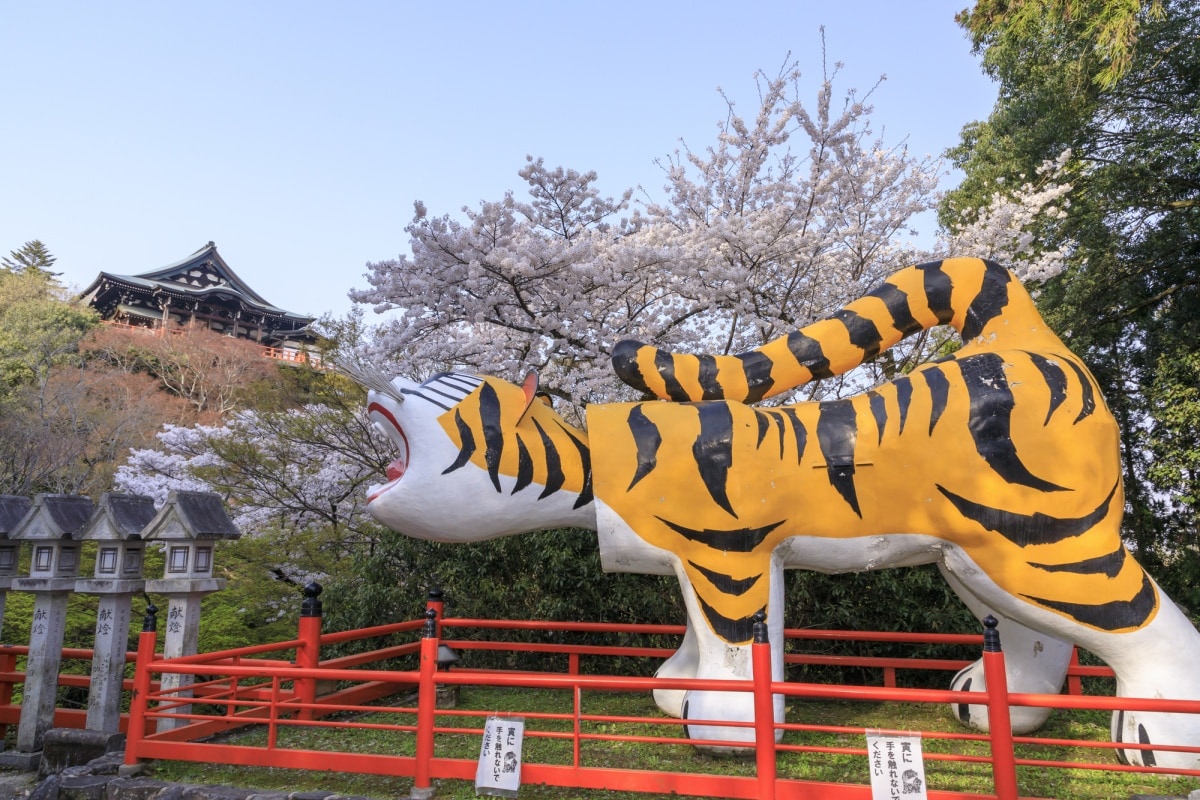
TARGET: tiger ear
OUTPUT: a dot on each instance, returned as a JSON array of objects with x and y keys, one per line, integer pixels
[{"x": 530, "y": 388}]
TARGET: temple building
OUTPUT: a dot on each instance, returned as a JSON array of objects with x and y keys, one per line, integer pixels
[{"x": 200, "y": 290}]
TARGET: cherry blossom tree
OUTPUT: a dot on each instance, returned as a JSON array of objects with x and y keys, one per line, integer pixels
[
  {"x": 299, "y": 476},
  {"x": 790, "y": 214}
]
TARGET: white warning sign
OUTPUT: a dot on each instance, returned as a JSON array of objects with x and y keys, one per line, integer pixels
[
  {"x": 499, "y": 770},
  {"x": 897, "y": 766}
]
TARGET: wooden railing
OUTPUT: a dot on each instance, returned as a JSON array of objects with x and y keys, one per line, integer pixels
[{"x": 286, "y": 354}]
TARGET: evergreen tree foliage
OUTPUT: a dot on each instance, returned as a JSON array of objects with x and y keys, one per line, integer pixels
[{"x": 31, "y": 257}]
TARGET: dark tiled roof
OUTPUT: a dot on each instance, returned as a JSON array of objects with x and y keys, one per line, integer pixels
[{"x": 13, "y": 509}]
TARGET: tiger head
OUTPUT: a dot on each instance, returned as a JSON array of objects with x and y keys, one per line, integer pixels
[{"x": 477, "y": 457}]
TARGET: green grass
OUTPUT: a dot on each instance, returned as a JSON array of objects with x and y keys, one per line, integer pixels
[{"x": 1060, "y": 784}]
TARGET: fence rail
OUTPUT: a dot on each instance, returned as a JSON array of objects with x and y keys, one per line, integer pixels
[
  {"x": 280, "y": 710},
  {"x": 290, "y": 707}
]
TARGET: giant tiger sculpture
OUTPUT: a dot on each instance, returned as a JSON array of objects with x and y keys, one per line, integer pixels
[{"x": 999, "y": 463}]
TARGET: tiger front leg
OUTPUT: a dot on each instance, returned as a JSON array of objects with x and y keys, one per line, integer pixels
[{"x": 719, "y": 659}]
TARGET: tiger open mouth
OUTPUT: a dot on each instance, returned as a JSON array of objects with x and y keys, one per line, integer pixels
[{"x": 384, "y": 422}]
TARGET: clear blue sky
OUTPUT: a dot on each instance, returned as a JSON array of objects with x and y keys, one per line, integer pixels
[{"x": 296, "y": 135}]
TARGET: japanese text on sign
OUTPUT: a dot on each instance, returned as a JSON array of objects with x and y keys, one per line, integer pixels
[
  {"x": 499, "y": 770},
  {"x": 897, "y": 766}
]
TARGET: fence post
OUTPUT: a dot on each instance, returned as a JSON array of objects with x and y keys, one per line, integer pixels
[
  {"x": 140, "y": 701},
  {"x": 308, "y": 654},
  {"x": 764, "y": 710},
  {"x": 1004, "y": 767},
  {"x": 426, "y": 704},
  {"x": 437, "y": 603}
]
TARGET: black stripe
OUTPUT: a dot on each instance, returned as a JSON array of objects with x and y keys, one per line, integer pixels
[
  {"x": 493, "y": 431},
  {"x": 779, "y": 423},
  {"x": 758, "y": 374},
  {"x": 1120, "y": 733},
  {"x": 469, "y": 381},
  {"x": 964, "y": 709},
  {"x": 878, "y": 411},
  {"x": 1112, "y": 616},
  {"x": 724, "y": 583},
  {"x": 863, "y": 333},
  {"x": 647, "y": 439},
  {"x": 903, "y": 398},
  {"x": 808, "y": 352},
  {"x": 1056, "y": 382},
  {"x": 939, "y": 391},
  {"x": 734, "y": 631},
  {"x": 1085, "y": 388},
  {"x": 896, "y": 301},
  {"x": 799, "y": 432},
  {"x": 713, "y": 450},
  {"x": 1109, "y": 565},
  {"x": 989, "y": 303},
  {"x": 554, "y": 473},
  {"x": 455, "y": 394},
  {"x": 1028, "y": 529},
  {"x": 734, "y": 540},
  {"x": 524, "y": 467},
  {"x": 664, "y": 364},
  {"x": 764, "y": 425},
  {"x": 938, "y": 289},
  {"x": 624, "y": 362},
  {"x": 1148, "y": 759},
  {"x": 837, "y": 435},
  {"x": 990, "y": 416},
  {"x": 708, "y": 379},
  {"x": 468, "y": 444},
  {"x": 465, "y": 382},
  {"x": 585, "y": 464},
  {"x": 423, "y": 396}
]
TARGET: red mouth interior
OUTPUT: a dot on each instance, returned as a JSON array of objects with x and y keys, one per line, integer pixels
[{"x": 395, "y": 470}]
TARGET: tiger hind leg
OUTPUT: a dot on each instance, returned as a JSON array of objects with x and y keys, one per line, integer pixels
[
  {"x": 1153, "y": 656},
  {"x": 1034, "y": 663},
  {"x": 1158, "y": 661}
]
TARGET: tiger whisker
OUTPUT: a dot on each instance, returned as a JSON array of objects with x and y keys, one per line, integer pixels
[{"x": 370, "y": 378}]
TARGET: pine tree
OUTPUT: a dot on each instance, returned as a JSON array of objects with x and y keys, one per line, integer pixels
[{"x": 31, "y": 257}]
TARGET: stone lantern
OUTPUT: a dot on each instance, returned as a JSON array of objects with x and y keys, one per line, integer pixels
[
  {"x": 116, "y": 527},
  {"x": 12, "y": 510},
  {"x": 188, "y": 526},
  {"x": 51, "y": 526}
]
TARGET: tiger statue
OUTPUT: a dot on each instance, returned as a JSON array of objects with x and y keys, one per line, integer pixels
[{"x": 999, "y": 463}]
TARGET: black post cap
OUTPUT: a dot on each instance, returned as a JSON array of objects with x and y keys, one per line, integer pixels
[
  {"x": 991, "y": 636},
  {"x": 760, "y": 628},
  {"x": 150, "y": 620},
  {"x": 311, "y": 605}
]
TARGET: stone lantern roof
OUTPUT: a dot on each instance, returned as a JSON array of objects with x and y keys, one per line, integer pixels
[
  {"x": 52, "y": 525},
  {"x": 192, "y": 515},
  {"x": 54, "y": 517},
  {"x": 188, "y": 526},
  {"x": 120, "y": 516},
  {"x": 117, "y": 525},
  {"x": 13, "y": 509}
]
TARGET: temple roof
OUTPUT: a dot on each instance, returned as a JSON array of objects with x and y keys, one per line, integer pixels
[{"x": 202, "y": 276}]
